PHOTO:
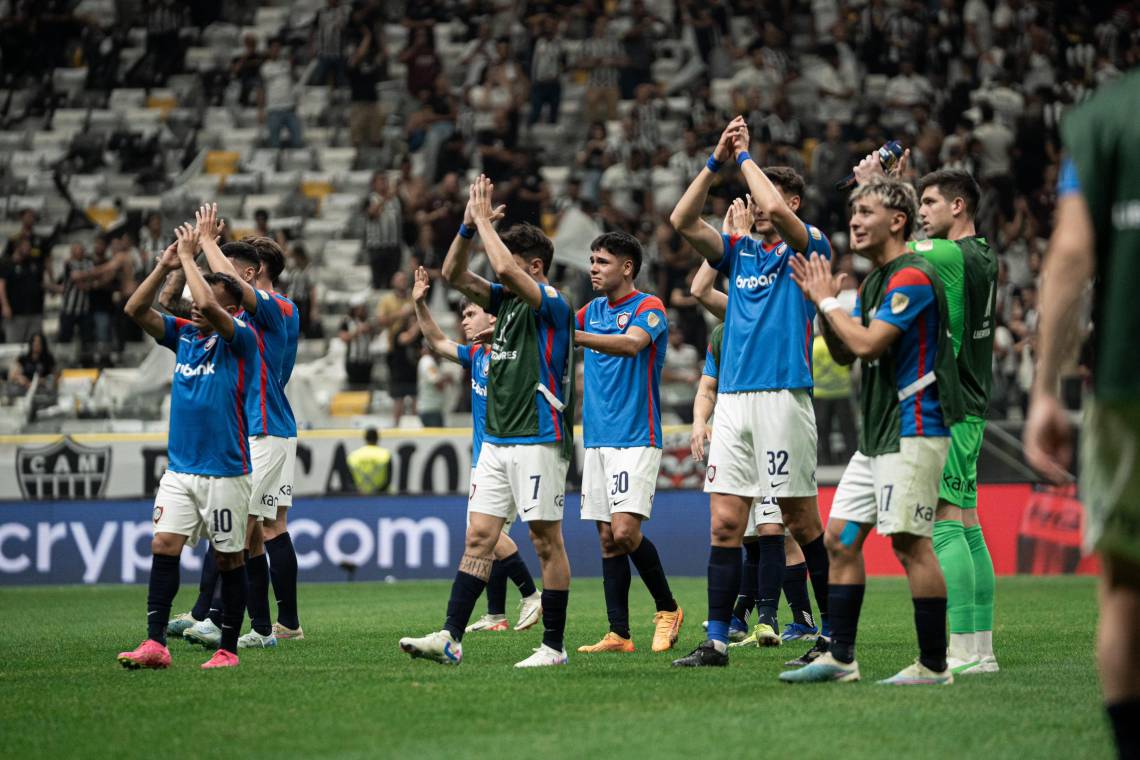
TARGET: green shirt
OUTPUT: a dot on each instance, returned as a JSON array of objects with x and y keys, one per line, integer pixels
[
  {"x": 976, "y": 355},
  {"x": 946, "y": 257},
  {"x": 1102, "y": 138}
]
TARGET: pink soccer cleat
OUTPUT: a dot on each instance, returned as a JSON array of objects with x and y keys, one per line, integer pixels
[
  {"x": 221, "y": 659},
  {"x": 149, "y": 654}
]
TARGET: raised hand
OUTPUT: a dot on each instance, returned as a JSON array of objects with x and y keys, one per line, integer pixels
[
  {"x": 208, "y": 224},
  {"x": 739, "y": 219},
  {"x": 814, "y": 277},
  {"x": 480, "y": 200},
  {"x": 187, "y": 236},
  {"x": 168, "y": 259},
  {"x": 422, "y": 285},
  {"x": 724, "y": 150},
  {"x": 741, "y": 140},
  {"x": 868, "y": 169}
]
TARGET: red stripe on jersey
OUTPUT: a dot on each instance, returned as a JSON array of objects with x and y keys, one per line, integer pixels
[
  {"x": 625, "y": 298},
  {"x": 582, "y": 318},
  {"x": 179, "y": 323},
  {"x": 550, "y": 377},
  {"x": 649, "y": 392},
  {"x": 649, "y": 304},
  {"x": 920, "y": 324},
  {"x": 733, "y": 240},
  {"x": 286, "y": 306},
  {"x": 264, "y": 372},
  {"x": 240, "y": 398},
  {"x": 908, "y": 276}
]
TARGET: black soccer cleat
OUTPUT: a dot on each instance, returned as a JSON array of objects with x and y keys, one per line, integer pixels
[
  {"x": 810, "y": 656},
  {"x": 704, "y": 656}
]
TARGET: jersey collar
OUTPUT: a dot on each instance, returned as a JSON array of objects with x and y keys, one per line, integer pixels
[{"x": 624, "y": 299}]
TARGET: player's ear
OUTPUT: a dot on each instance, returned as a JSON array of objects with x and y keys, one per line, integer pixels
[{"x": 794, "y": 203}]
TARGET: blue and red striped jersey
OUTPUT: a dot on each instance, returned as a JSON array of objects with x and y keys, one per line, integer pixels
[
  {"x": 278, "y": 325},
  {"x": 478, "y": 360},
  {"x": 621, "y": 405}
]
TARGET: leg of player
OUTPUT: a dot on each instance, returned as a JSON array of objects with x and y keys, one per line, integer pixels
[
  {"x": 470, "y": 579},
  {"x": 166, "y": 552},
  {"x": 207, "y": 585},
  {"x": 983, "y": 594},
  {"x": 846, "y": 586},
  {"x": 546, "y": 535},
  {"x": 496, "y": 617},
  {"x": 257, "y": 568},
  {"x": 795, "y": 591},
  {"x": 728, "y": 519},
  {"x": 642, "y": 552},
  {"x": 928, "y": 592},
  {"x": 283, "y": 574},
  {"x": 616, "y": 579},
  {"x": 507, "y": 557},
  {"x": 1118, "y": 650},
  {"x": 953, "y": 552},
  {"x": 749, "y": 584},
  {"x": 770, "y": 579},
  {"x": 801, "y": 517},
  {"x": 231, "y": 571}
]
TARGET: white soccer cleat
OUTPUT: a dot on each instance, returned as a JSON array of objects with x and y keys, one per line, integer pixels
[
  {"x": 542, "y": 657},
  {"x": 438, "y": 646},
  {"x": 984, "y": 665},
  {"x": 204, "y": 633},
  {"x": 530, "y": 610},
  {"x": 179, "y": 623},
  {"x": 957, "y": 665},
  {"x": 918, "y": 674},
  {"x": 254, "y": 640},
  {"x": 489, "y": 623}
]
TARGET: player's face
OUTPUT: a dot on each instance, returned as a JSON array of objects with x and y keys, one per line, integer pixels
[
  {"x": 199, "y": 319},
  {"x": 936, "y": 213},
  {"x": 244, "y": 270},
  {"x": 607, "y": 271},
  {"x": 871, "y": 225},
  {"x": 763, "y": 225},
  {"x": 475, "y": 321}
]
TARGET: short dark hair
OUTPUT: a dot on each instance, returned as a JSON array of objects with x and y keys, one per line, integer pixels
[
  {"x": 529, "y": 242},
  {"x": 953, "y": 183},
  {"x": 232, "y": 288},
  {"x": 786, "y": 178},
  {"x": 372, "y": 436},
  {"x": 242, "y": 251},
  {"x": 268, "y": 254},
  {"x": 620, "y": 244}
]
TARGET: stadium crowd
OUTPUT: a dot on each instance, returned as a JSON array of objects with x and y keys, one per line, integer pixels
[{"x": 590, "y": 116}]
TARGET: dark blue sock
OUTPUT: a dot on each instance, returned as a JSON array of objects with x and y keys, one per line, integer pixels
[
  {"x": 845, "y": 603},
  {"x": 161, "y": 590},
  {"x": 519, "y": 574},
  {"x": 772, "y": 563},
  {"x": 206, "y": 585},
  {"x": 648, "y": 563},
  {"x": 930, "y": 623},
  {"x": 795, "y": 591},
  {"x": 1125, "y": 719},
  {"x": 497, "y": 589},
  {"x": 283, "y": 573},
  {"x": 233, "y": 584},
  {"x": 818, "y": 566},
  {"x": 215, "y": 613},
  {"x": 616, "y": 578},
  {"x": 749, "y": 583},
  {"x": 724, "y": 582},
  {"x": 465, "y": 591},
  {"x": 257, "y": 569},
  {"x": 554, "y": 618}
]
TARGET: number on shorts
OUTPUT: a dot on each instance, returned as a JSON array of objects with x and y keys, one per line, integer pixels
[
  {"x": 223, "y": 521},
  {"x": 621, "y": 483},
  {"x": 536, "y": 479},
  {"x": 778, "y": 462},
  {"x": 885, "y": 498}
]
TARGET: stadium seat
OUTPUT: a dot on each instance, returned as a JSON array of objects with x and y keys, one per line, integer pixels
[
  {"x": 350, "y": 403},
  {"x": 269, "y": 201},
  {"x": 223, "y": 162}
]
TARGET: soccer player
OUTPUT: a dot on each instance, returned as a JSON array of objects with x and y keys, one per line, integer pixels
[
  {"x": 765, "y": 444},
  {"x": 205, "y": 490},
  {"x": 625, "y": 334},
  {"x": 1097, "y": 232},
  {"x": 527, "y": 448},
  {"x": 477, "y": 359},
  {"x": 909, "y": 400}
]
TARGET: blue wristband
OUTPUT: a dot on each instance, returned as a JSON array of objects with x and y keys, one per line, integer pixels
[
  {"x": 742, "y": 158},
  {"x": 466, "y": 232},
  {"x": 713, "y": 165}
]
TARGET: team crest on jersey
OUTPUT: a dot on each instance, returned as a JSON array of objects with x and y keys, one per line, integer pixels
[
  {"x": 622, "y": 320},
  {"x": 780, "y": 249},
  {"x": 924, "y": 245},
  {"x": 157, "y": 514},
  {"x": 210, "y": 342},
  {"x": 899, "y": 302}
]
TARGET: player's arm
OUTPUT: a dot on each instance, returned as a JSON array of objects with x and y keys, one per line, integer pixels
[
  {"x": 202, "y": 293},
  {"x": 821, "y": 287},
  {"x": 170, "y": 298},
  {"x": 455, "y": 264},
  {"x": 510, "y": 274},
  {"x": 703, "y": 404},
  {"x": 209, "y": 227},
  {"x": 138, "y": 306},
  {"x": 631, "y": 343},
  {"x": 842, "y": 355},
  {"x": 704, "y": 290},
  {"x": 768, "y": 197},
  {"x": 436, "y": 340},
  {"x": 686, "y": 217}
]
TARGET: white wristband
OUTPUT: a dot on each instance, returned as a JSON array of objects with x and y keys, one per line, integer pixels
[{"x": 830, "y": 304}]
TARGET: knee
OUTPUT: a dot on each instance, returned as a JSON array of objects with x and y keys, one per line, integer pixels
[
  {"x": 626, "y": 538},
  {"x": 166, "y": 543},
  {"x": 546, "y": 544},
  {"x": 726, "y": 531},
  {"x": 479, "y": 541},
  {"x": 837, "y": 549},
  {"x": 908, "y": 552}
]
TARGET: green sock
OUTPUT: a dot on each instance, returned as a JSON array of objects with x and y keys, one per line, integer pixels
[
  {"x": 954, "y": 556},
  {"x": 983, "y": 579}
]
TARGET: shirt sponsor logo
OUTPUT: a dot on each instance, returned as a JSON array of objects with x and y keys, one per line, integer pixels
[
  {"x": 480, "y": 390},
  {"x": 187, "y": 371},
  {"x": 755, "y": 281},
  {"x": 504, "y": 355}
]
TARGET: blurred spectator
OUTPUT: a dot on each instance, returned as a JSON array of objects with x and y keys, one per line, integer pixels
[
  {"x": 277, "y": 102},
  {"x": 430, "y": 386},
  {"x": 830, "y": 163},
  {"x": 246, "y": 69},
  {"x": 383, "y": 221},
  {"x": 75, "y": 309},
  {"x": 27, "y": 231},
  {"x": 367, "y": 67},
  {"x": 36, "y": 363},
  {"x": 396, "y": 314},
  {"x": 328, "y": 41},
  {"x": 478, "y": 54},
  {"x": 626, "y": 191},
  {"x": 680, "y": 375},
  {"x": 152, "y": 241},
  {"x": 996, "y": 140},
  {"x": 834, "y": 404},
  {"x": 356, "y": 332},
  {"x": 442, "y": 212},
  {"x": 905, "y": 90},
  {"x": 300, "y": 286},
  {"x": 601, "y": 55},
  {"x": 547, "y": 63},
  {"x": 165, "y": 20},
  {"x": 26, "y": 279},
  {"x": 422, "y": 62},
  {"x": 371, "y": 465}
]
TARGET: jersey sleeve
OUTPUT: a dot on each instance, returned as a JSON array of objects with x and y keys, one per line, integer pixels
[
  {"x": 553, "y": 310},
  {"x": 908, "y": 294},
  {"x": 496, "y": 299},
  {"x": 464, "y": 354},
  {"x": 711, "y": 369},
  {"x": 731, "y": 247},
  {"x": 173, "y": 326},
  {"x": 940, "y": 253},
  {"x": 817, "y": 242},
  {"x": 244, "y": 341},
  {"x": 269, "y": 316},
  {"x": 580, "y": 319},
  {"x": 650, "y": 316}
]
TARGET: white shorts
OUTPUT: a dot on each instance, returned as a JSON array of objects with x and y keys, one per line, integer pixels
[
  {"x": 200, "y": 506},
  {"x": 898, "y": 493},
  {"x": 506, "y": 523},
  {"x": 528, "y": 480},
  {"x": 764, "y": 511},
  {"x": 619, "y": 480},
  {"x": 763, "y": 444},
  {"x": 274, "y": 460}
]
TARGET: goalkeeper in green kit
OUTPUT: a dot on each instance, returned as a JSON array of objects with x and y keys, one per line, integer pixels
[{"x": 968, "y": 269}]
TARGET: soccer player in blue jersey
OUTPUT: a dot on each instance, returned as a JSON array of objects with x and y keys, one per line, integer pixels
[
  {"x": 526, "y": 451},
  {"x": 910, "y": 397},
  {"x": 625, "y": 333},
  {"x": 205, "y": 489},
  {"x": 476, "y": 358},
  {"x": 765, "y": 446}
]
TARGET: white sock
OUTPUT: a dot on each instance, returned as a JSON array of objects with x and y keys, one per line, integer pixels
[
  {"x": 962, "y": 646},
  {"x": 984, "y": 643},
  {"x": 720, "y": 646}
]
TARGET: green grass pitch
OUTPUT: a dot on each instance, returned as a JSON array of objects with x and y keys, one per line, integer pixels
[{"x": 347, "y": 691}]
